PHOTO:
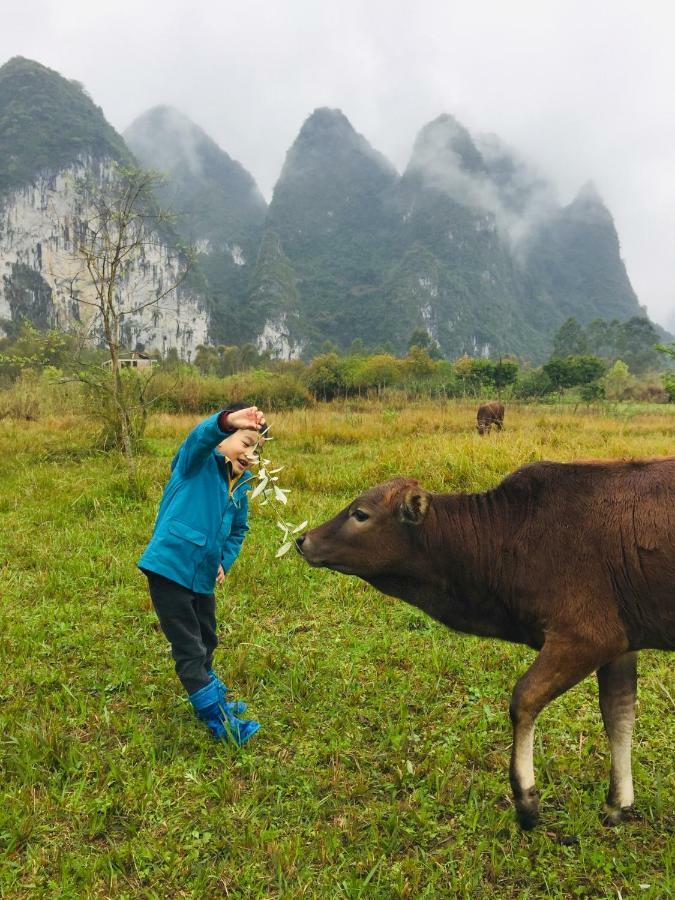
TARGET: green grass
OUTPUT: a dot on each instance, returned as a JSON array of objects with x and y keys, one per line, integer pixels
[{"x": 381, "y": 768}]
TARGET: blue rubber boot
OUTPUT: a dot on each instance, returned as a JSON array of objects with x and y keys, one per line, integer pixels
[
  {"x": 222, "y": 724},
  {"x": 236, "y": 707}
]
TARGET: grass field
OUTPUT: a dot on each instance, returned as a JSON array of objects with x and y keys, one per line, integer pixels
[{"x": 381, "y": 768}]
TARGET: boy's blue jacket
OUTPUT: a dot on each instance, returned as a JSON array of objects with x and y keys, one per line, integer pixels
[{"x": 201, "y": 524}]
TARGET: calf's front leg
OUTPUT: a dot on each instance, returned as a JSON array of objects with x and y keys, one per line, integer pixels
[
  {"x": 559, "y": 666},
  {"x": 617, "y": 683}
]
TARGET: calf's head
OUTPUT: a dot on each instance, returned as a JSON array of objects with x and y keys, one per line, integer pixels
[{"x": 372, "y": 536}]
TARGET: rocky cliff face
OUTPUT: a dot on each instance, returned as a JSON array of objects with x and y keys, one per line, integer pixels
[
  {"x": 44, "y": 280},
  {"x": 274, "y": 317},
  {"x": 41, "y": 277}
]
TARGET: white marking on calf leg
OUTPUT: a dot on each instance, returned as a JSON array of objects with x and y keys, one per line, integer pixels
[
  {"x": 521, "y": 772},
  {"x": 621, "y": 772},
  {"x": 559, "y": 666},
  {"x": 523, "y": 755},
  {"x": 617, "y": 682}
]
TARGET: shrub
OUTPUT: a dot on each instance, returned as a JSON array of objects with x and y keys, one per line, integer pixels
[
  {"x": 419, "y": 365},
  {"x": 532, "y": 384},
  {"x": 24, "y": 399},
  {"x": 617, "y": 381},
  {"x": 192, "y": 393},
  {"x": 267, "y": 389},
  {"x": 669, "y": 386},
  {"x": 573, "y": 371},
  {"x": 647, "y": 390},
  {"x": 325, "y": 376},
  {"x": 376, "y": 372},
  {"x": 35, "y": 395},
  {"x": 592, "y": 392}
]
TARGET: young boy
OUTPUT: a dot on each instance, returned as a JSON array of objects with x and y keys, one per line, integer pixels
[{"x": 200, "y": 527}]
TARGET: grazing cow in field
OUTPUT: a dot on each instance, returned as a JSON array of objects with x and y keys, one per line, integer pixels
[
  {"x": 490, "y": 414},
  {"x": 575, "y": 560}
]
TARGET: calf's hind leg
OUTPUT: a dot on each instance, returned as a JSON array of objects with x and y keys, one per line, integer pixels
[
  {"x": 617, "y": 683},
  {"x": 559, "y": 666}
]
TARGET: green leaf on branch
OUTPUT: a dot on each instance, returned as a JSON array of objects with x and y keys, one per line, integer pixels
[{"x": 269, "y": 491}]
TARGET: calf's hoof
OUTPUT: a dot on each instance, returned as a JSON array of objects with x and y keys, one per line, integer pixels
[
  {"x": 615, "y": 816},
  {"x": 527, "y": 809}
]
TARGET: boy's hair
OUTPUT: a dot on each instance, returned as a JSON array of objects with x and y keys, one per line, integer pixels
[{"x": 262, "y": 429}]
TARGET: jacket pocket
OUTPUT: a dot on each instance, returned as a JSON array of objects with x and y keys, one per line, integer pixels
[{"x": 186, "y": 532}]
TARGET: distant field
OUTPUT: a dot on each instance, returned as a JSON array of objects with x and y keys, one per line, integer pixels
[{"x": 381, "y": 769}]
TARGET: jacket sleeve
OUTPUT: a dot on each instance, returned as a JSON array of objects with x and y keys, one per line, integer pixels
[
  {"x": 237, "y": 534},
  {"x": 199, "y": 444}
]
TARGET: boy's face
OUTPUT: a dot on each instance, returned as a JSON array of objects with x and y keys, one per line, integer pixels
[{"x": 240, "y": 449}]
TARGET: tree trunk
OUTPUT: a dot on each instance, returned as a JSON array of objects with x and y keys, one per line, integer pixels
[{"x": 123, "y": 419}]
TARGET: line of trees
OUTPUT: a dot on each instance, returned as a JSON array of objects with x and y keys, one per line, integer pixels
[
  {"x": 224, "y": 371},
  {"x": 634, "y": 342}
]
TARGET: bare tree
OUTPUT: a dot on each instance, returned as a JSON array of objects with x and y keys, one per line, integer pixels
[{"x": 120, "y": 259}]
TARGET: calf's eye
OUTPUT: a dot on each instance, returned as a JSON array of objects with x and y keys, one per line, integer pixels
[{"x": 360, "y": 515}]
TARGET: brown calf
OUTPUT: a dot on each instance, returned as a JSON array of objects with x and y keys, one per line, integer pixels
[
  {"x": 490, "y": 414},
  {"x": 575, "y": 560}
]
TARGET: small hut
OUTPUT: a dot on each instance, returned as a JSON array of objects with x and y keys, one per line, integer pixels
[{"x": 135, "y": 360}]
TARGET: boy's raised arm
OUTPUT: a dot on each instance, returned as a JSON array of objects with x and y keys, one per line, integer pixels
[
  {"x": 200, "y": 443},
  {"x": 206, "y": 436}
]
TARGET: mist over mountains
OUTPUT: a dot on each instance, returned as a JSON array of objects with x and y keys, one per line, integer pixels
[
  {"x": 469, "y": 242},
  {"x": 217, "y": 205}
]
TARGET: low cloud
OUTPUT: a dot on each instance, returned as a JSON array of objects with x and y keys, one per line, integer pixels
[{"x": 484, "y": 174}]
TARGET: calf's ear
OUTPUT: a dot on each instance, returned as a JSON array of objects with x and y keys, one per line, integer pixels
[{"x": 414, "y": 505}]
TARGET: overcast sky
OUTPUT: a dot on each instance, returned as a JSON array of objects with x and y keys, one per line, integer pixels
[{"x": 582, "y": 88}]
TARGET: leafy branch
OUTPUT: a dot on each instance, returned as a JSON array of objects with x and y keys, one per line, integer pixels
[{"x": 272, "y": 494}]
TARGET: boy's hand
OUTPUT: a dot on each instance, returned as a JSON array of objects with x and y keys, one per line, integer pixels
[
  {"x": 220, "y": 577},
  {"x": 251, "y": 417}
]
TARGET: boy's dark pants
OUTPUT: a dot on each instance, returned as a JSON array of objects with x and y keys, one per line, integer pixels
[{"x": 189, "y": 622}]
